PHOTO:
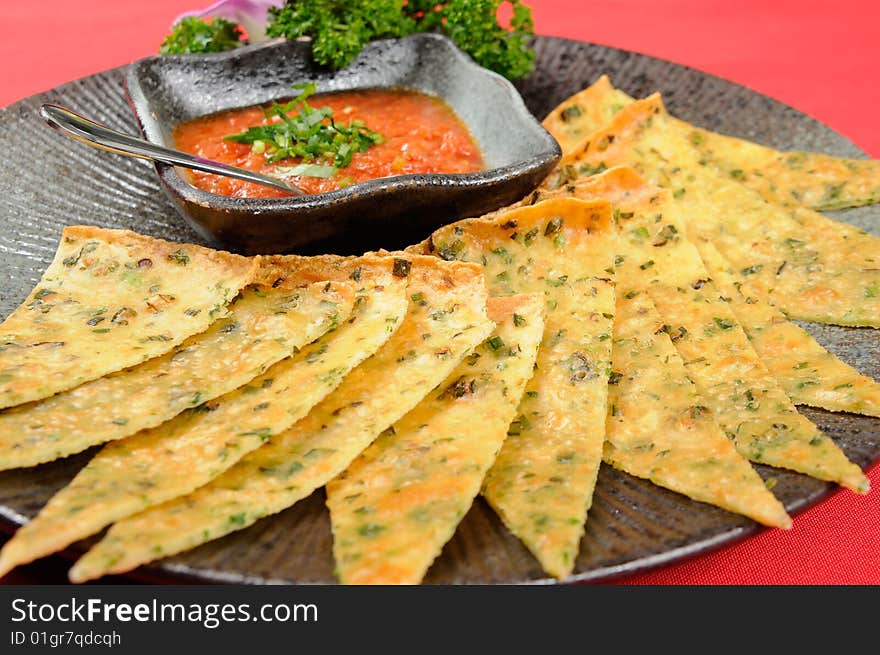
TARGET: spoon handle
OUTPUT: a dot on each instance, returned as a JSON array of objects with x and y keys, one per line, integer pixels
[{"x": 100, "y": 136}]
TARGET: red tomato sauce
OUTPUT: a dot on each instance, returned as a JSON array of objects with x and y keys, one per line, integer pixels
[{"x": 422, "y": 134}]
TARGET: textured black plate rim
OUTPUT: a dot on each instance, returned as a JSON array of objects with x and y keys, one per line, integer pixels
[
  {"x": 160, "y": 572},
  {"x": 181, "y": 573},
  {"x": 155, "y": 572}
]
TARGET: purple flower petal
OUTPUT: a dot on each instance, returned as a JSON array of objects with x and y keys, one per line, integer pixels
[{"x": 252, "y": 15}]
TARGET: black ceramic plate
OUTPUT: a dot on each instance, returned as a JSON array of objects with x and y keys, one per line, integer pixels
[{"x": 633, "y": 525}]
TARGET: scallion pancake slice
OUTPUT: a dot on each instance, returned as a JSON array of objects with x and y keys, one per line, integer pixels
[
  {"x": 809, "y": 374},
  {"x": 744, "y": 398},
  {"x": 813, "y": 268},
  {"x": 400, "y": 501},
  {"x": 658, "y": 425},
  {"x": 543, "y": 479},
  {"x": 446, "y": 319},
  {"x": 265, "y": 325},
  {"x": 577, "y": 117},
  {"x": 111, "y": 299},
  {"x": 789, "y": 178},
  {"x": 188, "y": 451}
]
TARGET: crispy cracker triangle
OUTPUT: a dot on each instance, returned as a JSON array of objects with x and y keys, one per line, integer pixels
[
  {"x": 810, "y": 374},
  {"x": 400, "y": 501},
  {"x": 445, "y": 320},
  {"x": 746, "y": 401},
  {"x": 814, "y": 268},
  {"x": 577, "y": 117},
  {"x": 658, "y": 425},
  {"x": 790, "y": 178},
  {"x": 188, "y": 451},
  {"x": 111, "y": 299},
  {"x": 264, "y": 325},
  {"x": 543, "y": 479}
]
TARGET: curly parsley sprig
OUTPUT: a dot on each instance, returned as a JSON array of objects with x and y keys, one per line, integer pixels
[
  {"x": 193, "y": 35},
  {"x": 339, "y": 29},
  {"x": 310, "y": 135},
  {"x": 473, "y": 26}
]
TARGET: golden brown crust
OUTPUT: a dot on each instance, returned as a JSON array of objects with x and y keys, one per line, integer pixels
[
  {"x": 422, "y": 248},
  {"x": 584, "y": 215},
  {"x": 160, "y": 247},
  {"x": 591, "y": 103},
  {"x": 161, "y": 292},
  {"x": 617, "y": 185},
  {"x": 323, "y": 267},
  {"x": 564, "y": 251},
  {"x": 581, "y": 215},
  {"x": 616, "y": 135},
  {"x": 500, "y": 308},
  {"x": 452, "y": 273},
  {"x": 398, "y": 264}
]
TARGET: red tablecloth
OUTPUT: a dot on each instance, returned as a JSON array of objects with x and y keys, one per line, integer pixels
[{"x": 820, "y": 56}]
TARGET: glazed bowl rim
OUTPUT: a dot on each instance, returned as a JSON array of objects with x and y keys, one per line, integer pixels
[{"x": 188, "y": 193}]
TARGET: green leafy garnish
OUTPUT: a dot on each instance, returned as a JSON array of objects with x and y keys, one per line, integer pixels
[
  {"x": 309, "y": 135},
  {"x": 305, "y": 170},
  {"x": 339, "y": 30},
  {"x": 473, "y": 26},
  {"x": 193, "y": 35},
  {"x": 180, "y": 257}
]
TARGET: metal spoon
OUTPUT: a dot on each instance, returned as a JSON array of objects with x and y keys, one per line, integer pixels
[{"x": 100, "y": 136}]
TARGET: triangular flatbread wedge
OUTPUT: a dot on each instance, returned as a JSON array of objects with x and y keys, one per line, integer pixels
[
  {"x": 264, "y": 325},
  {"x": 809, "y": 374},
  {"x": 400, "y": 501},
  {"x": 188, "y": 451},
  {"x": 745, "y": 399},
  {"x": 789, "y": 178},
  {"x": 813, "y": 268},
  {"x": 543, "y": 479},
  {"x": 577, "y": 117},
  {"x": 446, "y": 319},
  {"x": 111, "y": 299},
  {"x": 658, "y": 425}
]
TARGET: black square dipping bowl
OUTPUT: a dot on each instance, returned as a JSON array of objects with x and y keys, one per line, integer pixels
[{"x": 390, "y": 212}]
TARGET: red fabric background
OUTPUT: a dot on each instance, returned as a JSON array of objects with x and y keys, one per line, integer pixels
[{"x": 820, "y": 56}]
